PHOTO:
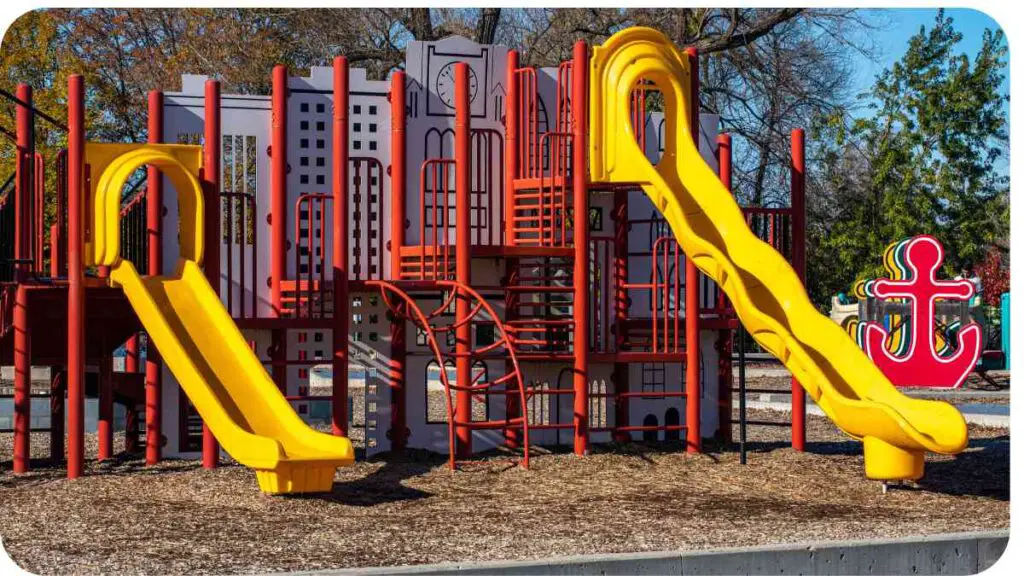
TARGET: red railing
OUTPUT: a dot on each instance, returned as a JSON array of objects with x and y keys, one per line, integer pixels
[
  {"x": 602, "y": 290},
  {"x": 366, "y": 209},
  {"x": 527, "y": 103},
  {"x": 437, "y": 183},
  {"x": 7, "y": 230},
  {"x": 134, "y": 238},
  {"x": 310, "y": 291},
  {"x": 774, "y": 225},
  {"x": 487, "y": 185}
]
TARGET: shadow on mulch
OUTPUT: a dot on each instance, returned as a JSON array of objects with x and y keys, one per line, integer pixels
[
  {"x": 983, "y": 471},
  {"x": 385, "y": 484}
]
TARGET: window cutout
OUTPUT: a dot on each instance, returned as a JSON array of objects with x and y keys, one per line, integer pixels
[
  {"x": 304, "y": 107},
  {"x": 320, "y": 126},
  {"x": 318, "y": 336},
  {"x": 304, "y": 125},
  {"x": 373, "y": 110},
  {"x": 321, "y": 161},
  {"x": 320, "y": 144},
  {"x": 357, "y": 109},
  {"x": 304, "y": 143},
  {"x": 320, "y": 107},
  {"x": 357, "y": 127},
  {"x": 304, "y": 161}
]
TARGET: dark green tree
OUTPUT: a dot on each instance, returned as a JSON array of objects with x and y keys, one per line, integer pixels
[{"x": 927, "y": 161}]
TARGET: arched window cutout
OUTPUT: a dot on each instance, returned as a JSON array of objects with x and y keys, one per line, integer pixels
[
  {"x": 650, "y": 435},
  {"x": 672, "y": 419}
]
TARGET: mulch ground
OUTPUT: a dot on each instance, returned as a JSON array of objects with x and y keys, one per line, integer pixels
[{"x": 178, "y": 518}]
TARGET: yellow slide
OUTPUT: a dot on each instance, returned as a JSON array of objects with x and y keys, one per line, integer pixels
[
  {"x": 197, "y": 338},
  {"x": 765, "y": 291}
]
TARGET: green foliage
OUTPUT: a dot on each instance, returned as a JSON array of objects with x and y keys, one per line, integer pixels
[{"x": 926, "y": 162}]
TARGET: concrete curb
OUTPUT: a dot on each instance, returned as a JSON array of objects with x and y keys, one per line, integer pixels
[{"x": 963, "y": 553}]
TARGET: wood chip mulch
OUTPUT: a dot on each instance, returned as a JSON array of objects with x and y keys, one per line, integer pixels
[{"x": 123, "y": 517}]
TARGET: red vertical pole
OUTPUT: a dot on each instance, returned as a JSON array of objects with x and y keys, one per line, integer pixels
[
  {"x": 581, "y": 252},
  {"x": 693, "y": 436},
  {"x": 463, "y": 334},
  {"x": 278, "y": 185},
  {"x": 105, "y": 419},
  {"x": 620, "y": 372},
  {"x": 798, "y": 202},
  {"x": 22, "y": 381},
  {"x": 339, "y": 385},
  {"x": 39, "y": 177},
  {"x": 724, "y": 343},
  {"x": 23, "y": 249},
  {"x": 76, "y": 290},
  {"x": 399, "y": 429},
  {"x": 23, "y": 192},
  {"x": 211, "y": 226},
  {"x": 512, "y": 111},
  {"x": 155, "y": 230}
]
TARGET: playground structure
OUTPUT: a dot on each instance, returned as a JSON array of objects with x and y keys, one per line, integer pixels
[{"x": 446, "y": 237}]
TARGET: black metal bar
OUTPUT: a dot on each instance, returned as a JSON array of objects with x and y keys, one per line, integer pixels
[
  {"x": 34, "y": 110},
  {"x": 743, "y": 395}
]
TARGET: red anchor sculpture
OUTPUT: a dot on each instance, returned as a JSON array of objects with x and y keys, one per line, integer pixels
[{"x": 922, "y": 365}]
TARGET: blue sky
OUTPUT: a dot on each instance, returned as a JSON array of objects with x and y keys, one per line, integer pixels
[{"x": 897, "y": 26}]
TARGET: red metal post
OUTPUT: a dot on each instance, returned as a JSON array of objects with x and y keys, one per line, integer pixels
[
  {"x": 105, "y": 419},
  {"x": 339, "y": 368},
  {"x": 211, "y": 226},
  {"x": 463, "y": 334},
  {"x": 39, "y": 181},
  {"x": 724, "y": 342},
  {"x": 797, "y": 200},
  {"x": 278, "y": 185},
  {"x": 581, "y": 252},
  {"x": 76, "y": 289},
  {"x": 399, "y": 428},
  {"x": 693, "y": 442},
  {"x": 620, "y": 371},
  {"x": 22, "y": 381},
  {"x": 155, "y": 229},
  {"x": 23, "y": 191},
  {"x": 512, "y": 111}
]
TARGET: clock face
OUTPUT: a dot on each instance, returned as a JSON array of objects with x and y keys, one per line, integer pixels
[{"x": 445, "y": 85}]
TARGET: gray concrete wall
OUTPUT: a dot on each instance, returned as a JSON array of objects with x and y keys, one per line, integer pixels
[{"x": 966, "y": 553}]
